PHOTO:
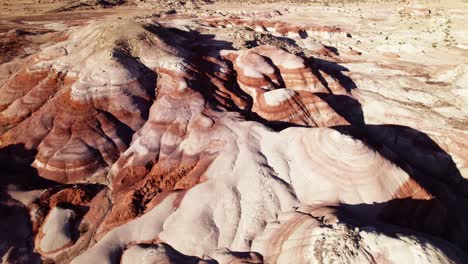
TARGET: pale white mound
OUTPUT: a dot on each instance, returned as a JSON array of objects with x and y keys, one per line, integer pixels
[
  {"x": 145, "y": 228},
  {"x": 256, "y": 176},
  {"x": 278, "y": 96},
  {"x": 251, "y": 198},
  {"x": 282, "y": 58},
  {"x": 256, "y": 65},
  {"x": 98, "y": 56},
  {"x": 57, "y": 230},
  {"x": 316, "y": 235}
]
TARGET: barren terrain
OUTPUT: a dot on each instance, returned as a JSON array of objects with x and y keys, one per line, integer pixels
[{"x": 233, "y": 131}]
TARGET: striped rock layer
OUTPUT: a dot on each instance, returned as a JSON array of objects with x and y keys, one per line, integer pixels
[{"x": 162, "y": 145}]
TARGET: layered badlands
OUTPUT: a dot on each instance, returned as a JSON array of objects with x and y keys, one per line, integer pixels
[{"x": 234, "y": 137}]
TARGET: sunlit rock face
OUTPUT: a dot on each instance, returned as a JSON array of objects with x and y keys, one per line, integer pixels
[
  {"x": 327, "y": 234},
  {"x": 166, "y": 139},
  {"x": 77, "y": 102},
  {"x": 283, "y": 87}
]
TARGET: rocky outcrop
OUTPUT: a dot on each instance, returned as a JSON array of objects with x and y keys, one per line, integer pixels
[
  {"x": 326, "y": 235},
  {"x": 153, "y": 140},
  {"x": 283, "y": 87}
]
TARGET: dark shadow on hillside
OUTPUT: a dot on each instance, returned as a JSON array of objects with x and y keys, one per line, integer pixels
[
  {"x": 414, "y": 152},
  {"x": 411, "y": 150},
  {"x": 16, "y": 232},
  {"x": 346, "y": 106},
  {"x": 430, "y": 167},
  {"x": 318, "y": 66},
  {"x": 222, "y": 92},
  {"x": 16, "y": 169},
  {"x": 16, "y": 229},
  {"x": 423, "y": 220},
  {"x": 15, "y": 224},
  {"x": 332, "y": 69}
]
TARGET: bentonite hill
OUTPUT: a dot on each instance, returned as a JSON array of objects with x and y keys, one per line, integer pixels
[{"x": 146, "y": 131}]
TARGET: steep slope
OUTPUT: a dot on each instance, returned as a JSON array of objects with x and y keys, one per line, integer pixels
[{"x": 167, "y": 139}]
